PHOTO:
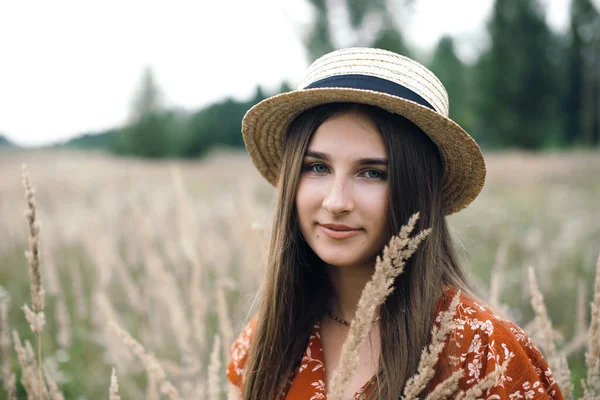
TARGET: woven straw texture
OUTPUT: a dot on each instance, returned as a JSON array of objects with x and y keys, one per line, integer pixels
[{"x": 464, "y": 167}]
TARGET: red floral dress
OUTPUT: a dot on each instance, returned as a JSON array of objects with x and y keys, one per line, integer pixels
[{"x": 480, "y": 343}]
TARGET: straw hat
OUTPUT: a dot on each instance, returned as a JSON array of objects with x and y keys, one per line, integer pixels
[{"x": 379, "y": 78}]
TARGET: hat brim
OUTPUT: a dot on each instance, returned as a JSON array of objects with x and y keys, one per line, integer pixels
[{"x": 464, "y": 167}]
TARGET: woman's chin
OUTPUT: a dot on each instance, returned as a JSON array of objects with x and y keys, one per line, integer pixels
[{"x": 344, "y": 260}]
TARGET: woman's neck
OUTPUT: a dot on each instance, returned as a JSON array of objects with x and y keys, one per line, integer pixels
[{"x": 347, "y": 284}]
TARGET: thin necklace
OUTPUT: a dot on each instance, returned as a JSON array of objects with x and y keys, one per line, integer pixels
[{"x": 341, "y": 320}]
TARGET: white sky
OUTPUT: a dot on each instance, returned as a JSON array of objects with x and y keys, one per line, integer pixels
[{"x": 70, "y": 67}]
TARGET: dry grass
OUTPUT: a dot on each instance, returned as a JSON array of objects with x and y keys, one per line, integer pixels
[
  {"x": 172, "y": 252},
  {"x": 429, "y": 358},
  {"x": 113, "y": 389}
]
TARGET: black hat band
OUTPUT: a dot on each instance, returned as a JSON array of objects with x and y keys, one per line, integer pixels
[{"x": 368, "y": 82}]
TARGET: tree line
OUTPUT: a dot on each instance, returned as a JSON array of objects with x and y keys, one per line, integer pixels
[{"x": 531, "y": 88}]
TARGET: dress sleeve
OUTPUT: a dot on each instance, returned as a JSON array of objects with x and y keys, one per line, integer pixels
[
  {"x": 486, "y": 341},
  {"x": 527, "y": 374},
  {"x": 238, "y": 355}
]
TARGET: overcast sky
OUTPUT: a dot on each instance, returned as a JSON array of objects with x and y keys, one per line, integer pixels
[{"x": 69, "y": 67}]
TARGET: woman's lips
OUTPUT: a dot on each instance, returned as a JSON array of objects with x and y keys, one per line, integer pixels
[{"x": 338, "y": 231}]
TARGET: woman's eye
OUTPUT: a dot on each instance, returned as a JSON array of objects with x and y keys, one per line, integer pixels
[
  {"x": 374, "y": 174},
  {"x": 318, "y": 168}
]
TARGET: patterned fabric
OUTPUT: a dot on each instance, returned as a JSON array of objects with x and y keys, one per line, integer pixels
[{"x": 481, "y": 341}]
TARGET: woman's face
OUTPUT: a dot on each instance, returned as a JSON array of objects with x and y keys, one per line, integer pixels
[{"x": 342, "y": 198}]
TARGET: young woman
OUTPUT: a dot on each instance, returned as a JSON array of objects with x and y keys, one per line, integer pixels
[{"x": 363, "y": 145}]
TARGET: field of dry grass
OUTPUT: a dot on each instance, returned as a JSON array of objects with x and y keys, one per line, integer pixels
[{"x": 172, "y": 253}]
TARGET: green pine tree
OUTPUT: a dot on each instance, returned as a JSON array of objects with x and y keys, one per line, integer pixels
[
  {"x": 454, "y": 74},
  {"x": 582, "y": 98},
  {"x": 520, "y": 79},
  {"x": 150, "y": 132},
  {"x": 388, "y": 37},
  {"x": 217, "y": 125},
  {"x": 319, "y": 41}
]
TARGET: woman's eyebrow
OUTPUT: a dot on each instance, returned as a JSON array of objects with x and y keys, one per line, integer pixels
[
  {"x": 318, "y": 155},
  {"x": 362, "y": 161},
  {"x": 373, "y": 161}
]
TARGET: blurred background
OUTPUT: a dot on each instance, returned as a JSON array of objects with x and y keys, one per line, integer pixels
[
  {"x": 128, "y": 113},
  {"x": 174, "y": 79}
]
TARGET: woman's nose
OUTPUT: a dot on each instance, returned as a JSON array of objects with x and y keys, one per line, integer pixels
[{"x": 338, "y": 199}]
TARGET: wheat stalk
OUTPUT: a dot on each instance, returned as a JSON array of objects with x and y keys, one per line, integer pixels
[
  {"x": 113, "y": 390},
  {"x": 54, "y": 289},
  {"x": 581, "y": 326},
  {"x": 557, "y": 361},
  {"x": 55, "y": 393},
  {"x": 11, "y": 387},
  {"x": 151, "y": 388},
  {"x": 498, "y": 275},
  {"x": 198, "y": 303},
  {"x": 78, "y": 287},
  {"x": 8, "y": 377},
  {"x": 154, "y": 369},
  {"x": 579, "y": 338},
  {"x": 431, "y": 354},
  {"x": 223, "y": 313},
  {"x": 33, "y": 251},
  {"x": 35, "y": 317},
  {"x": 29, "y": 368},
  {"x": 447, "y": 388},
  {"x": 214, "y": 380},
  {"x": 476, "y": 391},
  {"x": 27, "y": 379},
  {"x": 164, "y": 279},
  {"x": 387, "y": 268},
  {"x": 591, "y": 386}
]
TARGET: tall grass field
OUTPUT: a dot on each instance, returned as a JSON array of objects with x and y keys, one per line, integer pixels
[{"x": 147, "y": 271}]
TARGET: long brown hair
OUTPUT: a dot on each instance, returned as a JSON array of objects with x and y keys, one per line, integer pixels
[{"x": 295, "y": 287}]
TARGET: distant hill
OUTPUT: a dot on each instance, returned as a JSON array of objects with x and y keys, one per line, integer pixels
[
  {"x": 4, "y": 142},
  {"x": 96, "y": 140}
]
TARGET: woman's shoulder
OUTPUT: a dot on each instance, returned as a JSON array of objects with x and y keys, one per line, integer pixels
[
  {"x": 238, "y": 354},
  {"x": 477, "y": 316},
  {"x": 482, "y": 340},
  {"x": 474, "y": 318}
]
